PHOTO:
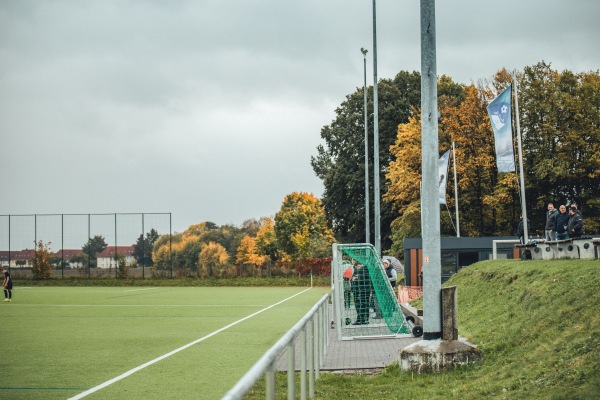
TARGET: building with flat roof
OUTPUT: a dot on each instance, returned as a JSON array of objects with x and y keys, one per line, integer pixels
[{"x": 457, "y": 252}]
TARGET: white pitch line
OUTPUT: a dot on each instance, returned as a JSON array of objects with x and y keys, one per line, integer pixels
[
  {"x": 138, "y": 290},
  {"x": 149, "y": 363}
]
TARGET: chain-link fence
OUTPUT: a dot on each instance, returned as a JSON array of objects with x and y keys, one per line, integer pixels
[{"x": 85, "y": 245}]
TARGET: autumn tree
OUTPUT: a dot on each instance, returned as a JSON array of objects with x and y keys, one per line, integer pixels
[
  {"x": 212, "y": 260},
  {"x": 301, "y": 227},
  {"x": 40, "y": 265},
  {"x": 266, "y": 239},
  {"x": 248, "y": 254}
]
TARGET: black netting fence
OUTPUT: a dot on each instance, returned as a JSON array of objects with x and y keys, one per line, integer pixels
[{"x": 85, "y": 245}]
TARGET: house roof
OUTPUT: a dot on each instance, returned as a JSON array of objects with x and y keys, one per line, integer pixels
[
  {"x": 67, "y": 253},
  {"x": 110, "y": 251}
]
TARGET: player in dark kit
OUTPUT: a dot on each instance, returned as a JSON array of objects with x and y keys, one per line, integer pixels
[{"x": 7, "y": 285}]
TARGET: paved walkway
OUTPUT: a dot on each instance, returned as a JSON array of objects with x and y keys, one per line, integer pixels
[{"x": 357, "y": 354}]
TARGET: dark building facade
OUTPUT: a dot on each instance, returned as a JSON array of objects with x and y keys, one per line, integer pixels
[{"x": 457, "y": 252}]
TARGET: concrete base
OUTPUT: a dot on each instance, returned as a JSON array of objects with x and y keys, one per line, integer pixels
[{"x": 438, "y": 355}]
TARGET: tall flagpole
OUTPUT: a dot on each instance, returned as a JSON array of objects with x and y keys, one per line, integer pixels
[
  {"x": 376, "y": 170},
  {"x": 367, "y": 206},
  {"x": 455, "y": 191},
  {"x": 523, "y": 203}
]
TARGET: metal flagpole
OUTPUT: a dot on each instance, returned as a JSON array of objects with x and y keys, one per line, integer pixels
[
  {"x": 455, "y": 191},
  {"x": 376, "y": 170},
  {"x": 523, "y": 203},
  {"x": 367, "y": 206}
]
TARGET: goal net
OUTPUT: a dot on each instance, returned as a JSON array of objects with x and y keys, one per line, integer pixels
[{"x": 365, "y": 304}]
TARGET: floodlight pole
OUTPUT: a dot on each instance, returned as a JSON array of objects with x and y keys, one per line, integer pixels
[
  {"x": 367, "y": 206},
  {"x": 430, "y": 211},
  {"x": 376, "y": 170}
]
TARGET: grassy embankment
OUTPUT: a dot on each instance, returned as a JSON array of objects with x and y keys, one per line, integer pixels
[{"x": 537, "y": 323}]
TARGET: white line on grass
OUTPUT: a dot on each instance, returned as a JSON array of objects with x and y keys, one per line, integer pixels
[
  {"x": 137, "y": 290},
  {"x": 149, "y": 363}
]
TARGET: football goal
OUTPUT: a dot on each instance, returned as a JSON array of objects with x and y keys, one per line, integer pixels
[{"x": 365, "y": 304}]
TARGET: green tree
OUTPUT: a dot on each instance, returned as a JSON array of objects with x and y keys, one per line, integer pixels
[
  {"x": 122, "y": 266},
  {"x": 92, "y": 248},
  {"x": 560, "y": 121},
  {"x": 142, "y": 249},
  {"x": 339, "y": 163},
  {"x": 301, "y": 227}
]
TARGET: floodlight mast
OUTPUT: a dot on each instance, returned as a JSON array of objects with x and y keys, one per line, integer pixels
[
  {"x": 376, "y": 170},
  {"x": 367, "y": 205},
  {"x": 430, "y": 210}
]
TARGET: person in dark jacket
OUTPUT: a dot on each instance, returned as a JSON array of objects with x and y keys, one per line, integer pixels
[
  {"x": 551, "y": 222},
  {"x": 575, "y": 226},
  {"x": 361, "y": 288},
  {"x": 521, "y": 229},
  {"x": 562, "y": 223}
]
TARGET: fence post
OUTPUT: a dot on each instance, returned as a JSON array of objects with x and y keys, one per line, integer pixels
[
  {"x": 303, "y": 363},
  {"x": 291, "y": 381}
]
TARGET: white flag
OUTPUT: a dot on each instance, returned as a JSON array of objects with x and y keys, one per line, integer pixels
[{"x": 443, "y": 175}]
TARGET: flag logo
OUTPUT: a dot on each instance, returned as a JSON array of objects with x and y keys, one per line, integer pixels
[{"x": 500, "y": 116}]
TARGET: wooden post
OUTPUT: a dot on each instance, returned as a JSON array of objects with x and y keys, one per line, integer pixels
[{"x": 449, "y": 313}]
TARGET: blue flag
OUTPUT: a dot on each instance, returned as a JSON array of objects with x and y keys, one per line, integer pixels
[
  {"x": 443, "y": 176},
  {"x": 500, "y": 116}
]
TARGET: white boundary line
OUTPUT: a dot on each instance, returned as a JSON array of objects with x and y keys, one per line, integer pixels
[{"x": 149, "y": 363}]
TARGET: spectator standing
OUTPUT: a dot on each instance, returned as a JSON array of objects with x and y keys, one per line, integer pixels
[
  {"x": 521, "y": 230},
  {"x": 575, "y": 226},
  {"x": 562, "y": 223},
  {"x": 551, "y": 222}
]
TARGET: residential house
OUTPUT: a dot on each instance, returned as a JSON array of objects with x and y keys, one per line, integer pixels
[{"x": 106, "y": 259}]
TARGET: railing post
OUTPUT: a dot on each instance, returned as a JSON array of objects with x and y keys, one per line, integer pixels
[
  {"x": 317, "y": 329},
  {"x": 303, "y": 363},
  {"x": 311, "y": 358},
  {"x": 291, "y": 372},
  {"x": 270, "y": 382}
]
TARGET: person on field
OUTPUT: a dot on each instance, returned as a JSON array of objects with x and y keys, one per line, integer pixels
[
  {"x": 551, "y": 222},
  {"x": 7, "y": 285},
  {"x": 562, "y": 223},
  {"x": 361, "y": 288},
  {"x": 575, "y": 226}
]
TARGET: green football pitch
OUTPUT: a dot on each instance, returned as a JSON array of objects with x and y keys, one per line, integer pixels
[{"x": 140, "y": 343}]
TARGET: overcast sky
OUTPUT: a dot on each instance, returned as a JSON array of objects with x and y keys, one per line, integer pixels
[{"x": 211, "y": 109}]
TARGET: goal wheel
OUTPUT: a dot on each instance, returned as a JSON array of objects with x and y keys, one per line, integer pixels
[{"x": 417, "y": 331}]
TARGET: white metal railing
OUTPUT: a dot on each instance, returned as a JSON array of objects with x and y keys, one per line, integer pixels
[
  {"x": 313, "y": 335},
  {"x": 495, "y": 245}
]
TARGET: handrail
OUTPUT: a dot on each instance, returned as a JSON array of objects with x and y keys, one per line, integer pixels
[
  {"x": 495, "y": 245},
  {"x": 266, "y": 364}
]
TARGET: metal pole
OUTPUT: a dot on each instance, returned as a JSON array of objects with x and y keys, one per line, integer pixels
[
  {"x": 9, "y": 217},
  {"x": 143, "y": 248},
  {"x": 62, "y": 244},
  {"x": 171, "y": 244},
  {"x": 455, "y": 192},
  {"x": 432, "y": 276},
  {"x": 89, "y": 247},
  {"x": 116, "y": 250},
  {"x": 367, "y": 206},
  {"x": 522, "y": 175},
  {"x": 376, "y": 170}
]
